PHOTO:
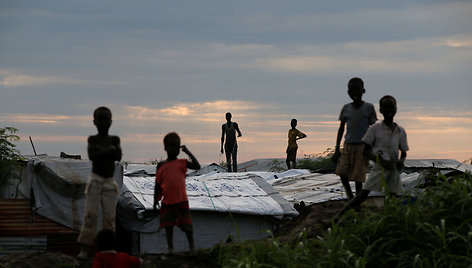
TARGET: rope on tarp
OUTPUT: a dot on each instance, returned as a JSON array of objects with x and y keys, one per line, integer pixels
[{"x": 209, "y": 195}]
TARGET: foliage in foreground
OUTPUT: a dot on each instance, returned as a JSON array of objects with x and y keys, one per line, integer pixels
[
  {"x": 318, "y": 164},
  {"x": 9, "y": 155},
  {"x": 433, "y": 230}
]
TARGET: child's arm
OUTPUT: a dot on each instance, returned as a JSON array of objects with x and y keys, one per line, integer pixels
[
  {"x": 222, "y": 137},
  {"x": 302, "y": 135},
  {"x": 193, "y": 163},
  {"x": 97, "y": 151},
  {"x": 387, "y": 164},
  {"x": 401, "y": 161},
  {"x": 237, "y": 129},
  {"x": 157, "y": 193},
  {"x": 337, "y": 151},
  {"x": 157, "y": 190},
  {"x": 118, "y": 154}
]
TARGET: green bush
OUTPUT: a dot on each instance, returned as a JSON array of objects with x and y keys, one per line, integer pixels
[
  {"x": 433, "y": 229},
  {"x": 323, "y": 164},
  {"x": 9, "y": 155}
]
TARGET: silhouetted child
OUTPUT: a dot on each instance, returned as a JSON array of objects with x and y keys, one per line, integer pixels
[
  {"x": 107, "y": 257},
  {"x": 170, "y": 185},
  {"x": 231, "y": 146},
  {"x": 382, "y": 142},
  {"x": 358, "y": 115},
  {"x": 103, "y": 150},
  {"x": 293, "y": 135}
]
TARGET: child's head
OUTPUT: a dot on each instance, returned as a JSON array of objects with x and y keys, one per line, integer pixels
[
  {"x": 102, "y": 119},
  {"x": 355, "y": 89},
  {"x": 228, "y": 116},
  {"x": 293, "y": 123},
  {"x": 388, "y": 106},
  {"x": 172, "y": 144},
  {"x": 105, "y": 240}
]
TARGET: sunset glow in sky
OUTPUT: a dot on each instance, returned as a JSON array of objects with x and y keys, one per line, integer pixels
[{"x": 180, "y": 66}]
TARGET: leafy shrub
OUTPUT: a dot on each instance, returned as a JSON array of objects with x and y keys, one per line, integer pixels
[
  {"x": 9, "y": 155},
  {"x": 433, "y": 229},
  {"x": 319, "y": 164}
]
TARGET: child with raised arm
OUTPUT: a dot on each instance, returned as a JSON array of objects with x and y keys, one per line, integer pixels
[
  {"x": 293, "y": 135},
  {"x": 107, "y": 257},
  {"x": 358, "y": 116},
  {"x": 103, "y": 150},
  {"x": 170, "y": 185},
  {"x": 383, "y": 141}
]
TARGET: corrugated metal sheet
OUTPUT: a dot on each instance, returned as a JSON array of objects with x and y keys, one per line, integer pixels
[
  {"x": 19, "y": 224},
  {"x": 437, "y": 163},
  {"x": 16, "y": 245}
]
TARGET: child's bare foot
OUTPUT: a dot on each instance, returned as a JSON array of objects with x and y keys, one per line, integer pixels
[{"x": 83, "y": 254}]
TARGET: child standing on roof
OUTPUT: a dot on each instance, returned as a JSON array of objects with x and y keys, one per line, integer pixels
[
  {"x": 382, "y": 142},
  {"x": 107, "y": 255},
  {"x": 170, "y": 185},
  {"x": 293, "y": 135},
  {"x": 229, "y": 130},
  {"x": 103, "y": 150},
  {"x": 359, "y": 115}
]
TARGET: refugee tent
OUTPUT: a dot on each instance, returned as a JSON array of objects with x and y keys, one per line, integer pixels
[
  {"x": 242, "y": 206},
  {"x": 55, "y": 187}
]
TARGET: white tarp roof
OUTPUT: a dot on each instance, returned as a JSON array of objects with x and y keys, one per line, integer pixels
[
  {"x": 245, "y": 193},
  {"x": 317, "y": 188}
]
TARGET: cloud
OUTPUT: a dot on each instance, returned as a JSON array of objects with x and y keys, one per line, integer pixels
[
  {"x": 377, "y": 57},
  {"x": 199, "y": 111},
  {"x": 42, "y": 119},
  {"x": 10, "y": 78}
]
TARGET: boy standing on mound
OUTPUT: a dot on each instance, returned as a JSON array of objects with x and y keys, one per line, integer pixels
[
  {"x": 359, "y": 115},
  {"x": 382, "y": 142},
  {"x": 170, "y": 185},
  {"x": 103, "y": 150}
]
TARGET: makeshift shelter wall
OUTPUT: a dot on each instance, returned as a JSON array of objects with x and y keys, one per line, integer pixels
[
  {"x": 243, "y": 205},
  {"x": 210, "y": 228},
  {"x": 56, "y": 187}
]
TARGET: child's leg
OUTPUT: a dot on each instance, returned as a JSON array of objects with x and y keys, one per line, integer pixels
[
  {"x": 234, "y": 155},
  {"x": 89, "y": 226},
  {"x": 228, "y": 158},
  {"x": 347, "y": 187},
  {"x": 170, "y": 239},
  {"x": 361, "y": 197},
  {"x": 358, "y": 187},
  {"x": 109, "y": 199},
  {"x": 191, "y": 244}
]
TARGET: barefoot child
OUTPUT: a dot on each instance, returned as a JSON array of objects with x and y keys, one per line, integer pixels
[
  {"x": 293, "y": 135},
  {"x": 103, "y": 150},
  {"x": 382, "y": 142},
  {"x": 170, "y": 185},
  {"x": 359, "y": 115}
]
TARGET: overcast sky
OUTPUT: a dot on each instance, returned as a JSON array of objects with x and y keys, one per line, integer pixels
[{"x": 164, "y": 66}]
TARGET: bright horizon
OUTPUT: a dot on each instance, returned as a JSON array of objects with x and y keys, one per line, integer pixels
[
  {"x": 180, "y": 66},
  {"x": 429, "y": 136}
]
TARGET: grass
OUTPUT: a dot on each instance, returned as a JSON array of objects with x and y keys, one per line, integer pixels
[{"x": 433, "y": 230}]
